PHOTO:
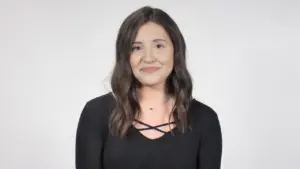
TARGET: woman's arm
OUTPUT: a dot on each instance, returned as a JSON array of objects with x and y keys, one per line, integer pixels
[
  {"x": 89, "y": 140},
  {"x": 210, "y": 151}
]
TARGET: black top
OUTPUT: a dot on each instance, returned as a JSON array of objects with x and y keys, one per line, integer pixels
[{"x": 200, "y": 148}]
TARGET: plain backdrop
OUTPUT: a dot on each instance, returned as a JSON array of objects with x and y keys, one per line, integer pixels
[{"x": 243, "y": 56}]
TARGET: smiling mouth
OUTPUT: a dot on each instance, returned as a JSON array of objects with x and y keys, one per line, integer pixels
[{"x": 150, "y": 69}]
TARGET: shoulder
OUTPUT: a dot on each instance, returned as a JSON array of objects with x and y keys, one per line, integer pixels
[
  {"x": 202, "y": 115},
  {"x": 102, "y": 102},
  {"x": 99, "y": 108}
]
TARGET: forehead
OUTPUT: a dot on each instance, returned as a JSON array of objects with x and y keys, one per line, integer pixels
[{"x": 150, "y": 31}]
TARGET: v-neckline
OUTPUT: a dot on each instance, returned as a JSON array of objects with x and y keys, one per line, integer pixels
[{"x": 163, "y": 136}]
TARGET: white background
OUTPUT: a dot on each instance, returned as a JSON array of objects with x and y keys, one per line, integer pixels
[{"x": 58, "y": 54}]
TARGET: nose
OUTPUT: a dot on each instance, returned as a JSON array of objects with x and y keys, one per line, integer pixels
[{"x": 149, "y": 57}]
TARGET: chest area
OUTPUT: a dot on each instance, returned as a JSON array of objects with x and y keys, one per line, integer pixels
[{"x": 171, "y": 150}]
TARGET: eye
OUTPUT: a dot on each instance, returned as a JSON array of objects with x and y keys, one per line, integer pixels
[
  {"x": 134, "y": 48},
  {"x": 158, "y": 46}
]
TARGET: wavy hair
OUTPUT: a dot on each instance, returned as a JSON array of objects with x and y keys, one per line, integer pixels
[{"x": 123, "y": 83}]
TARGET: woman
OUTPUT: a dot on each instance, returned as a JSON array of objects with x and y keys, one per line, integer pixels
[{"x": 150, "y": 119}]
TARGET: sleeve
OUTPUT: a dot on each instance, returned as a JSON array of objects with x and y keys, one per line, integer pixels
[
  {"x": 210, "y": 149},
  {"x": 89, "y": 140}
]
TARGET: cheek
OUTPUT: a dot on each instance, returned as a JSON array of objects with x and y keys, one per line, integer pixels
[
  {"x": 167, "y": 59},
  {"x": 169, "y": 62},
  {"x": 134, "y": 61}
]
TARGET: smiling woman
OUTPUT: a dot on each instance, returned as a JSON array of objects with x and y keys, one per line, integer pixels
[
  {"x": 150, "y": 119},
  {"x": 152, "y": 54}
]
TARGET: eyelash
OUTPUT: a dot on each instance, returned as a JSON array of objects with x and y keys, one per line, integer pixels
[
  {"x": 135, "y": 47},
  {"x": 162, "y": 46}
]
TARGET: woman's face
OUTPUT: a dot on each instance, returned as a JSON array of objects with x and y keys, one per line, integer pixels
[{"x": 152, "y": 55}]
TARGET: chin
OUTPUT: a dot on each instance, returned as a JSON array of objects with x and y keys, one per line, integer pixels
[
  {"x": 151, "y": 80},
  {"x": 151, "y": 83}
]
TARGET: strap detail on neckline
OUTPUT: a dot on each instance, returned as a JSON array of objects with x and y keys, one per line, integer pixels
[{"x": 153, "y": 127}]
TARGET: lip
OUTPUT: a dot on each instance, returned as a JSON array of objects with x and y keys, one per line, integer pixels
[{"x": 150, "y": 69}]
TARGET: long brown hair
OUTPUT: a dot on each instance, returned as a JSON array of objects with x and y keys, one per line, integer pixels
[{"x": 123, "y": 83}]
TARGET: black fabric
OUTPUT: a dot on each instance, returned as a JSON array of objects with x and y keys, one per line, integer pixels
[
  {"x": 149, "y": 127},
  {"x": 200, "y": 148}
]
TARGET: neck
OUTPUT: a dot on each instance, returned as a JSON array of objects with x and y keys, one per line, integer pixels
[
  {"x": 154, "y": 101},
  {"x": 155, "y": 94}
]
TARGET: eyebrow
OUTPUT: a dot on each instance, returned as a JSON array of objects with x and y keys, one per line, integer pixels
[{"x": 154, "y": 40}]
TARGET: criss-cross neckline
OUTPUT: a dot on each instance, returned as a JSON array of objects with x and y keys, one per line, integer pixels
[{"x": 156, "y": 127}]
